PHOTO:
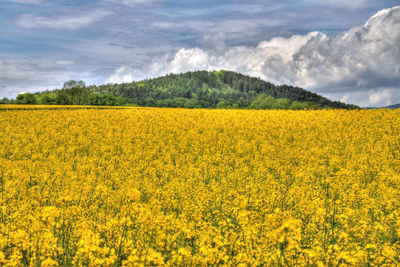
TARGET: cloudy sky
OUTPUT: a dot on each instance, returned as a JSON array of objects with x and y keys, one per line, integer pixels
[{"x": 347, "y": 50}]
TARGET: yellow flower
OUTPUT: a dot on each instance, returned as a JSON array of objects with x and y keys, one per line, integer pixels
[{"x": 149, "y": 186}]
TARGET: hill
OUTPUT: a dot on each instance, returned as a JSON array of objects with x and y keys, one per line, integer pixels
[
  {"x": 396, "y": 106},
  {"x": 199, "y": 89}
]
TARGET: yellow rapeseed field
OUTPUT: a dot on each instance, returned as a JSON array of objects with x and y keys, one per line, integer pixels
[{"x": 148, "y": 186}]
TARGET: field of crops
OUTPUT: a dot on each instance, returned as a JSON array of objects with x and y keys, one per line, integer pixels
[{"x": 148, "y": 186}]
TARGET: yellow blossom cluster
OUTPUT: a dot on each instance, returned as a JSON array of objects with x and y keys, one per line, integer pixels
[{"x": 149, "y": 186}]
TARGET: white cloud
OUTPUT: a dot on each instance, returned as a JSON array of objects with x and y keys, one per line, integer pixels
[
  {"x": 380, "y": 97},
  {"x": 64, "y": 62},
  {"x": 66, "y": 22},
  {"x": 233, "y": 29},
  {"x": 35, "y": 74},
  {"x": 131, "y": 2},
  {"x": 340, "y": 3},
  {"x": 364, "y": 61},
  {"x": 123, "y": 74},
  {"x": 26, "y": 1}
]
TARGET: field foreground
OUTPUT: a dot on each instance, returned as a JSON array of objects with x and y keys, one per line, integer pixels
[{"x": 146, "y": 186}]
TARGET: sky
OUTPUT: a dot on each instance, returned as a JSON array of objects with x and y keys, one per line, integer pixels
[{"x": 347, "y": 50}]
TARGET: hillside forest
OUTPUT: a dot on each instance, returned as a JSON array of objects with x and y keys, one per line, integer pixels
[{"x": 199, "y": 89}]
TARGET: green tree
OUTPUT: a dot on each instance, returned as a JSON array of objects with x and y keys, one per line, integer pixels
[
  {"x": 94, "y": 99},
  {"x": 77, "y": 91},
  {"x": 4, "y": 100},
  {"x": 47, "y": 98},
  {"x": 26, "y": 98},
  {"x": 223, "y": 104},
  {"x": 73, "y": 84},
  {"x": 192, "y": 103},
  {"x": 263, "y": 101},
  {"x": 282, "y": 103},
  {"x": 107, "y": 99},
  {"x": 149, "y": 102},
  {"x": 296, "y": 105},
  {"x": 63, "y": 97},
  {"x": 120, "y": 101}
]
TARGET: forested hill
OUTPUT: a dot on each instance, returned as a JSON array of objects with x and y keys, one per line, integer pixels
[
  {"x": 394, "y": 106},
  {"x": 215, "y": 89}
]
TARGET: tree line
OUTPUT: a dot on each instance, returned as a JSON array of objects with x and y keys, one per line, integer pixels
[{"x": 199, "y": 89}]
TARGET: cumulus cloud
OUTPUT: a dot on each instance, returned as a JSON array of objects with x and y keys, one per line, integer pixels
[
  {"x": 66, "y": 22},
  {"x": 363, "y": 62},
  {"x": 123, "y": 74}
]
